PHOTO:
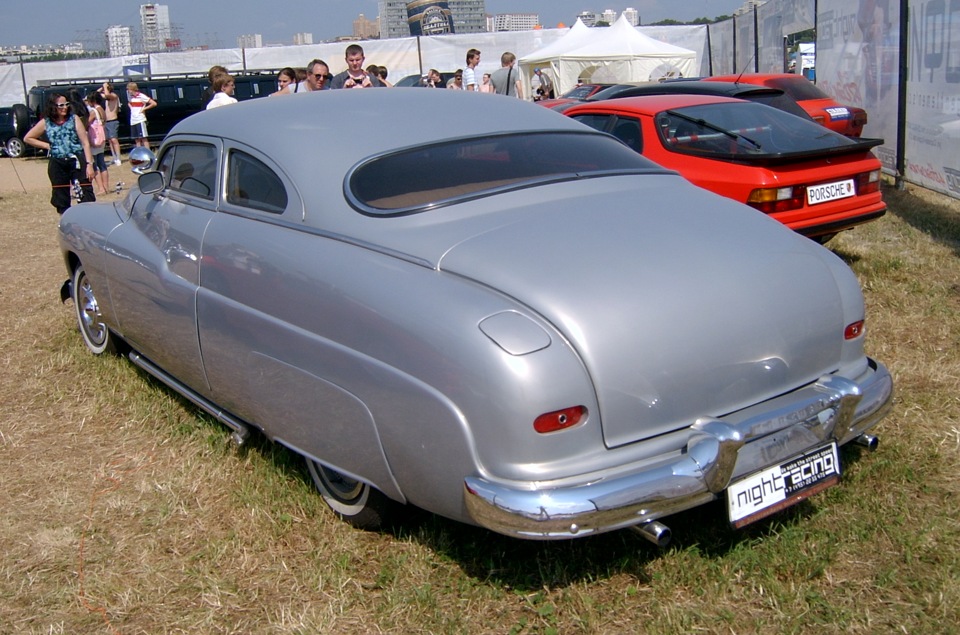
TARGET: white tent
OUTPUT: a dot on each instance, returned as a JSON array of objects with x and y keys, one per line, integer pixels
[{"x": 614, "y": 54}]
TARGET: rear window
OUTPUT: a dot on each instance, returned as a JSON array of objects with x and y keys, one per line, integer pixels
[
  {"x": 742, "y": 129},
  {"x": 798, "y": 87},
  {"x": 422, "y": 178}
]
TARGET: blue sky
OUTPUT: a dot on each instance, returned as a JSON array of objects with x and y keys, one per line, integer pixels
[{"x": 212, "y": 21}]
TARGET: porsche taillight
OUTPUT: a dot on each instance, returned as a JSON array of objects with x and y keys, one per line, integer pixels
[
  {"x": 853, "y": 331},
  {"x": 559, "y": 419},
  {"x": 868, "y": 182},
  {"x": 776, "y": 199}
]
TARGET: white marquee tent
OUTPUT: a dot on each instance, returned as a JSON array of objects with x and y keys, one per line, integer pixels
[{"x": 618, "y": 53}]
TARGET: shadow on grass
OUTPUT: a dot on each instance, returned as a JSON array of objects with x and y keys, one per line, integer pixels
[
  {"x": 527, "y": 566},
  {"x": 939, "y": 220}
]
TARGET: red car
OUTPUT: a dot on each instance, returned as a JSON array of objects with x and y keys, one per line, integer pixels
[
  {"x": 575, "y": 94},
  {"x": 847, "y": 120},
  {"x": 813, "y": 180}
]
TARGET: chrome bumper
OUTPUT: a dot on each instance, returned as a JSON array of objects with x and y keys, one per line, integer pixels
[{"x": 834, "y": 408}]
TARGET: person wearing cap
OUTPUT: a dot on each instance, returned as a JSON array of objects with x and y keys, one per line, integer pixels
[{"x": 546, "y": 85}]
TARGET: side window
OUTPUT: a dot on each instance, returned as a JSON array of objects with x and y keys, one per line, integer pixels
[
  {"x": 628, "y": 131},
  {"x": 597, "y": 122},
  {"x": 250, "y": 183},
  {"x": 192, "y": 169}
]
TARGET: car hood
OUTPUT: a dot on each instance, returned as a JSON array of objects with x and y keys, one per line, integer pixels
[{"x": 683, "y": 305}]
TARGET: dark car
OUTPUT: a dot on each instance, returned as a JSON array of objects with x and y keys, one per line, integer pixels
[
  {"x": 574, "y": 95},
  {"x": 418, "y": 80},
  {"x": 177, "y": 97},
  {"x": 14, "y": 123},
  {"x": 825, "y": 110},
  {"x": 766, "y": 95}
]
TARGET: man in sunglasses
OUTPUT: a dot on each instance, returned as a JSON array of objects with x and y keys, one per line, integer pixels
[{"x": 318, "y": 78}]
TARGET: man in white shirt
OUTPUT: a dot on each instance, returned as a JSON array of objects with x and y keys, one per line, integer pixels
[
  {"x": 139, "y": 104},
  {"x": 470, "y": 72}
]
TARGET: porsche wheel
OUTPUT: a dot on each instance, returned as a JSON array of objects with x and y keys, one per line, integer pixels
[
  {"x": 96, "y": 335},
  {"x": 351, "y": 500}
]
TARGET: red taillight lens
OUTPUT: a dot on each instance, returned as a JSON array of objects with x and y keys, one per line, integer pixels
[
  {"x": 853, "y": 331},
  {"x": 559, "y": 419},
  {"x": 776, "y": 199},
  {"x": 868, "y": 182}
]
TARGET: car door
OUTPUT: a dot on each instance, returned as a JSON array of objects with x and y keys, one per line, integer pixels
[
  {"x": 154, "y": 260},
  {"x": 270, "y": 291}
]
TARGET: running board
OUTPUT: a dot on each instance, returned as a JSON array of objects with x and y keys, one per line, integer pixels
[{"x": 241, "y": 429}]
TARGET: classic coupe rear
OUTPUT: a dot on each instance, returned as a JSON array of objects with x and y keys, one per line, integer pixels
[{"x": 502, "y": 325}]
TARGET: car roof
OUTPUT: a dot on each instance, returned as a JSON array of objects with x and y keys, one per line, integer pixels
[
  {"x": 699, "y": 88},
  {"x": 317, "y": 137},
  {"x": 650, "y": 104}
]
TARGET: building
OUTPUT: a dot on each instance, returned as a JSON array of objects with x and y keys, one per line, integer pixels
[
  {"x": 119, "y": 40},
  {"x": 154, "y": 27},
  {"x": 632, "y": 15},
  {"x": 589, "y": 18},
  {"x": 469, "y": 16},
  {"x": 749, "y": 6},
  {"x": 365, "y": 29},
  {"x": 252, "y": 41},
  {"x": 302, "y": 38},
  {"x": 609, "y": 16},
  {"x": 393, "y": 19},
  {"x": 515, "y": 22}
]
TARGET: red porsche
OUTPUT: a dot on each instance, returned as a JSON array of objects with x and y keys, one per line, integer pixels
[{"x": 813, "y": 180}]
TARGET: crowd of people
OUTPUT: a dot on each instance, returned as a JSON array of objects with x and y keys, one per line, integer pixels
[{"x": 76, "y": 131}]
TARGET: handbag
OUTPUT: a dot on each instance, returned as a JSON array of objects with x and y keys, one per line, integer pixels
[{"x": 96, "y": 133}]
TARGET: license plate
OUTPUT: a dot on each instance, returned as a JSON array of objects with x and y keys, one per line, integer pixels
[
  {"x": 780, "y": 486},
  {"x": 826, "y": 192}
]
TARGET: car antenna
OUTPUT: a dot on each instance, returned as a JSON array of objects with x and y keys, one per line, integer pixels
[{"x": 737, "y": 80}]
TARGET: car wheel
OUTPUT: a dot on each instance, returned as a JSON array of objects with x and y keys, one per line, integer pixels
[
  {"x": 14, "y": 147},
  {"x": 823, "y": 239},
  {"x": 351, "y": 500},
  {"x": 96, "y": 335}
]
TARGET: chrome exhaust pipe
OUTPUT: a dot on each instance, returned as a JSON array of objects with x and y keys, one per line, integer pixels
[
  {"x": 868, "y": 441},
  {"x": 654, "y": 531}
]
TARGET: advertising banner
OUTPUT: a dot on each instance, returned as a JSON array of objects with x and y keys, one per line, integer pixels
[{"x": 429, "y": 17}]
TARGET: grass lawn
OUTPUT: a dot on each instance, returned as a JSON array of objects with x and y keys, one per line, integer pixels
[{"x": 125, "y": 510}]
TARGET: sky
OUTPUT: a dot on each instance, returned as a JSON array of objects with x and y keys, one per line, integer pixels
[{"x": 219, "y": 22}]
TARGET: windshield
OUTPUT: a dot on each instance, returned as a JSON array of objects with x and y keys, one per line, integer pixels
[
  {"x": 742, "y": 128},
  {"x": 416, "y": 179},
  {"x": 580, "y": 92}
]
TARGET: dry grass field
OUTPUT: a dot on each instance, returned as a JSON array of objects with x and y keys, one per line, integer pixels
[{"x": 125, "y": 510}]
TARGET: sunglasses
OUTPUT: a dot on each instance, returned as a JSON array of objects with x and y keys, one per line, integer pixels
[
  {"x": 319, "y": 75},
  {"x": 63, "y": 105}
]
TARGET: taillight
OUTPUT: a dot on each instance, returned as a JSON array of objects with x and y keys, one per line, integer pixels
[
  {"x": 868, "y": 182},
  {"x": 776, "y": 199},
  {"x": 853, "y": 331},
  {"x": 559, "y": 419}
]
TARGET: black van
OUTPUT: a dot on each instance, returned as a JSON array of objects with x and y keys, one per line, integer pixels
[{"x": 177, "y": 97}]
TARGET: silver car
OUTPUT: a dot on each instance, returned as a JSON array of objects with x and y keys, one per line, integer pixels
[{"x": 482, "y": 308}]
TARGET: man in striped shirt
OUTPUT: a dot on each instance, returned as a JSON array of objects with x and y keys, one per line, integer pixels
[{"x": 139, "y": 104}]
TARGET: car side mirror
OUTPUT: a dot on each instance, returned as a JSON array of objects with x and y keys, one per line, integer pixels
[
  {"x": 150, "y": 182},
  {"x": 141, "y": 159}
]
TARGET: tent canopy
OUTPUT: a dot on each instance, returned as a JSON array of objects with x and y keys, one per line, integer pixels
[{"x": 614, "y": 54}]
